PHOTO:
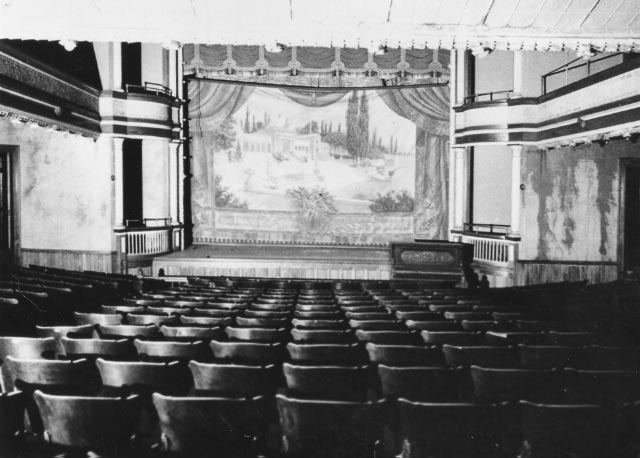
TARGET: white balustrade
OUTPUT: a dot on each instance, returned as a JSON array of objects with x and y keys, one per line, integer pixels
[
  {"x": 148, "y": 242},
  {"x": 499, "y": 252}
]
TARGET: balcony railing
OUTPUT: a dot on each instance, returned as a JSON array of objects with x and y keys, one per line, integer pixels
[
  {"x": 498, "y": 252},
  {"x": 149, "y": 88},
  {"x": 578, "y": 69},
  {"x": 148, "y": 241},
  {"x": 487, "y": 229},
  {"x": 489, "y": 96}
]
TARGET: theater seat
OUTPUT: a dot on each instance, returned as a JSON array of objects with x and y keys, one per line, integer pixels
[
  {"x": 52, "y": 376},
  {"x": 301, "y": 323},
  {"x": 247, "y": 352},
  {"x": 99, "y": 424},
  {"x": 405, "y": 355},
  {"x": 514, "y": 384},
  {"x": 418, "y": 383},
  {"x": 487, "y": 356},
  {"x": 201, "y": 426},
  {"x": 127, "y": 330},
  {"x": 192, "y": 332},
  {"x": 257, "y": 334},
  {"x": 322, "y": 335},
  {"x": 327, "y": 428},
  {"x": 118, "y": 349},
  {"x": 247, "y": 322},
  {"x": 602, "y": 386},
  {"x": 145, "y": 319},
  {"x": 125, "y": 377},
  {"x": 453, "y": 338},
  {"x": 388, "y": 337},
  {"x": 450, "y": 429},
  {"x": 173, "y": 350},
  {"x": 208, "y": 321},
  {"x": 233, "y": 379},
  {"x": 334, "y": 354},
  {"x": 584, "y": 430},
  {"x": 97, "y": 318},
  {"x": 327, "y": 382},
  {"x": 552, "y": 356}
]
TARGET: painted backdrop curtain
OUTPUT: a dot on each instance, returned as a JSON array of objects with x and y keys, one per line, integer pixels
[{"x": 426, "y": 106}]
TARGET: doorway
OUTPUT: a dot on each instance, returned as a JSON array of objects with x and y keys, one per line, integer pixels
[
  {"x": 630, "y": 213},
  {"x": 7, "y": 211}
]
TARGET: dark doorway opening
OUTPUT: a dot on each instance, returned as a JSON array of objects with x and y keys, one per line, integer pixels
[
  {"x": 131, "y": 64},
  {"x": 631, "y": 240},
  {"x": 132, "y": 182}
]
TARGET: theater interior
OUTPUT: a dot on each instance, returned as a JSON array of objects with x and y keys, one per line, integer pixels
[{"x": 340, "y": 229}]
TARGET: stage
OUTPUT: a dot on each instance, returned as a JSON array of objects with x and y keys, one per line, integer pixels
[
  {"x": 434, "y": 260},
  {"x": 279, "y": 261}
]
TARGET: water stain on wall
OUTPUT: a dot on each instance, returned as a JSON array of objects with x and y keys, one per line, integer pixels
[{"x": 553, "y": 176}]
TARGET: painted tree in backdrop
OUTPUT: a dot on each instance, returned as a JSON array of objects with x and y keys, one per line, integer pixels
[
  {"x": 352, "y": 125},
  {"x": 363, "y": 126}
]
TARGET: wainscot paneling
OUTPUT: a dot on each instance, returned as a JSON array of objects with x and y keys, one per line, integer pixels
[
  {"x": 72, "y": 260},
  {"x": 535, "y": 272}
]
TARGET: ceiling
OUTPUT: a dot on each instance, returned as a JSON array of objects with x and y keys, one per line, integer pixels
[{"x": 607, "y": 25}]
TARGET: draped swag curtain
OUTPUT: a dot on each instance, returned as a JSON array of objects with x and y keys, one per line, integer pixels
[
  {"x": 318, "y": 67},
  {"x": 427, "y": 106}
]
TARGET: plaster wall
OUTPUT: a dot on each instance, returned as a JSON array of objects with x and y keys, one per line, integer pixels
[
  {"x": 155, "y": 178},
  {"x": 65, "y": 190},
  {"x": 571, "y": 202},
  {"x": 494, "y": 72},
  {"x": 491, "y": 184}
]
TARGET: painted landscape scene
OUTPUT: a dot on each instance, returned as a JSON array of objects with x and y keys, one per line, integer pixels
[{"x": 354, "y": 155}]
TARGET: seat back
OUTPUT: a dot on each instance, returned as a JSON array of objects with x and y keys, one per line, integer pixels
[
  {"x": 449, "y": 429},
  {"x": 452, "y": 338},
  {"x": 262, "y": 322},
  {"x": 434, "y": 325},
  {"x": 602, "y": 386},
  {"x": 335, "y": 354},
  {"x": 98, "y": 424},
  {"x": 126, "y": 330},
  {"x": 52, "y": 376},
  {"x": 404, "y": 355},
  {"x": 173, "y": 350},
  {"x": 147, "y": 318},
  {"x": 435, "y": 384},
  {"x": 387, "y": 337},
  {"x": 233, "y": 379},
  {"x": 329, "y": 382},
  {"x": 486, "y": 356},
  {"x": 322, "y": 335},
  {"x": 317, "y": 324},
  {"x": 550, "y": 356},
  {"x": 97, "y": 318},
  {"x": 143, "y": 377},
  {"x": 206, "y": 320},
  {"x": 192, "y": 332},
  {"x": 584, "y": 430},
  {"x": 512, "y": 385},
  {"x": 194, "y": 426},
  {"x": 98, "y": 348},
  {"x": 319, "y": 429},
  {"x": 247, "y": 352},
  {"x": 257, "y": 334}
]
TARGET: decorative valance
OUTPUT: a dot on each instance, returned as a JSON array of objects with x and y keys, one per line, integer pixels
[{"x": 313, "y": 66}]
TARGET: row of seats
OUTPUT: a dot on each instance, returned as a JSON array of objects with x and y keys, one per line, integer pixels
[
  {"x": 181, "y": 344},
  {"x": 198, "y": 426},
  {"x": 426, "y": 383}
]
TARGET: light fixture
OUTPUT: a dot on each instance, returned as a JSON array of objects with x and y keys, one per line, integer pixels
[
  {"x": 171, "y": 45},
  {"x": 274, "y": 47},
  {"x": 481, "y": 51},
  {"x": 585, "y": 51},
  {"x": 67, "y": 44}
]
